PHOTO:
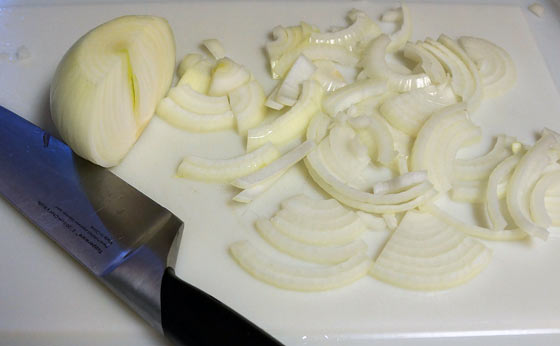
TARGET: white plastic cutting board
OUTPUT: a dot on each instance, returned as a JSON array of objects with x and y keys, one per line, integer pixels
[{"x": 47, "y": 299}]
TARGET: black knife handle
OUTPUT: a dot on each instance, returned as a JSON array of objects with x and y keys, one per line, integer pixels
[{"x": 194, "y": 318}]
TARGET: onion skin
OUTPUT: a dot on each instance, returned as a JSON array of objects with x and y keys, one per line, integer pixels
[{"x": 107, "y": 86}]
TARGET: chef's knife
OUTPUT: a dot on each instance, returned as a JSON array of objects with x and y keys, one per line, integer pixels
[{"x": 125, "y": 239}]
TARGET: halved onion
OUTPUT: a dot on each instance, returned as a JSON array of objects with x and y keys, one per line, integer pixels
[
  {"x": 300, "y": 278},
  {"x": 107, "y": 86},
  {"x": 290, "y": 124},
  {"x": 247, "y": 104},
  {"x": 375, "y": 66},
  {"x": 496, "y": 68},
  {"x": 424, "y": 253},
  {"x": 226, "y": 170}
]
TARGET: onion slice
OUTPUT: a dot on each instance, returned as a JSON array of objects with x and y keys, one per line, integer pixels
[
  {"x": 247, "y": 104},
  {"x": 193, "y": 101},
  {"x": 525, "y": 175},
  {"x": 500, "y": 173},
  {"x": 425, "y": 254},
  {"x": 375, "y": 66},
  {"x": 537, "y": 201},
  {"x": 481, "y": 167},
  {"x": 427, "y": 62},
  {"x": 300, "y": 278},
  {"x": 292, "y": 123},
  {"x": 310, "y": 253},
  {"x": 227, "y": 76},
  {"x": 276, "y": 168},
  {"x": 473, "y": 230},
  {"x": 496, "y": 68},
  {"x": 177, "y": 116},
  {"x": 343, "y": 98},
  {"x": 226, "y": 170}
]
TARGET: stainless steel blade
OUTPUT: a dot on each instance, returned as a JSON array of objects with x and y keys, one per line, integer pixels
[{"x": 119, "y": 234}]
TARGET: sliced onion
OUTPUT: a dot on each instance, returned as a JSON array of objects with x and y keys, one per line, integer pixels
[
  {"x": 348, "y": 159},
  {"x": 473, "y": 230},
  {"x": 247, "y": 104},
  {"x": 389, "y": 203},
  {"x": 318, "y": 127},
  {"x": 343, "y": 98},
  {"x": 271, "y": 99},
  {"x": 400, "y": 37},
  {"x": 438, "y": 141},
  {"x": 250, "y": 194},
  {"x": 499, "y": 174},
  {"x": 300, "y": 278},
  {"x": 400, "y": 183},
  {"x": 336, "y": 54},
  {"x": 461, "y": 79},
  {"x": 215, "y": 48},
  {"x": 276, "y": 168},
  {"x": 328, "y": 75},
  {"x": 310, "y": 253},
  {"x": 380, "y": 132},
  {"x": 292, "y": 123},
  {"x": 408, "y": 111},
  {"x": 227, "y": 76},
  {"x": 481, "y": 167},
  {"x": 284, "y": 40},
  {"x": 537, "y": 201},
  {"x": 314, "y": 208},
  {"x": 476, "y": 96},
  {"x": 187, "y": 62},
  {"x": 193, "y": 101},
  {"x": 424, "y": 254},
  {"x": 497, "y": 70},
  {"x": 525, "y": 175},
  {"x": 226, "y": 170},
  {"x": 361, "y": 29},
  {"x": 474, "y": 191},
  {"x": 336, "y": 234},
  {"x": 427, "y": 62},
  {"x": 177, "y": 116},
  {"x": 391, "y": 221},
  {"x": 289, "y": 90},
  {"x": 374, "y": 64},
  {"x": 371, "y": 221},
  {"x": 198, "y": 76}
]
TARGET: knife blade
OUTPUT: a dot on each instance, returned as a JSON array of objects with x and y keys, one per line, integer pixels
[{"x": 121, "y": 236}]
